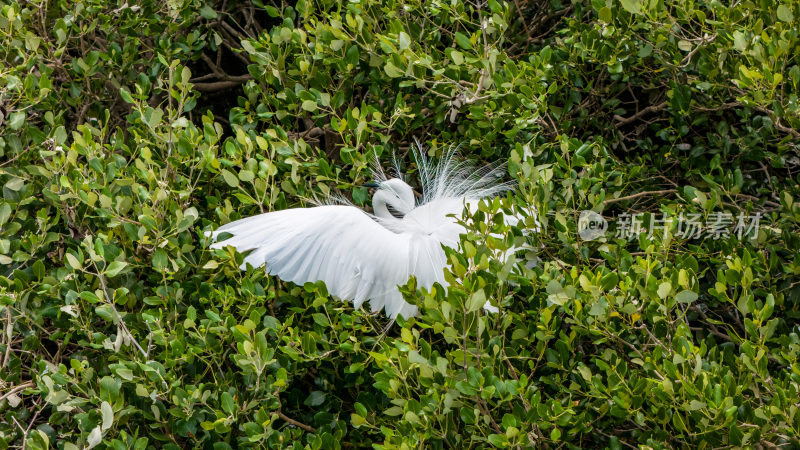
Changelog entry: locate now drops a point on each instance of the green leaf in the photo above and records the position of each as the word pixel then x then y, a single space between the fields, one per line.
pixel 246 175
pixel 207 12
pixel 73 261
pixel 685 45
pixel 94 438
pixel 609 281
pixel 227 403
pixel 694 405
pixel 463 41
pixel 498 440
pixel 272 11
pixel 186 75
pixel 90 297
pixel 351 57
pixel 394 411
pixel 248 46
pixel 316 398
pixel 38 269
pixel 632 6
pixel 124 373
pixel 476 300
pixel 403 40
pixel 664 289
pixel 392 70
pixel 160 259
pixel 108 415
pixel 16 120
pixel 739 41
pixel 105 310
pixel 115 268
pixel 357 420
pixel 15 184
pixel 686 296
pixel 599 307
pixel 229 178
pixel 586 373
pixel 5 213
pixel 309 105
pixel 785 13
pixel 321 319
pixel 155 117
pixel 605 14
pixel 457 57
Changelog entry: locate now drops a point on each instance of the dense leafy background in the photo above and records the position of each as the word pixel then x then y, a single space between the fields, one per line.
pixel 129 130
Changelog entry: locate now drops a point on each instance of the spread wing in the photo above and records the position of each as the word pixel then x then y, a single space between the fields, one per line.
pixel 357 257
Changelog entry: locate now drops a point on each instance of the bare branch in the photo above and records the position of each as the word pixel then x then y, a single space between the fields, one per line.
pixel 15 389
pixel 637 195
pixel 291 421
pixel 650 109
pixel 221 85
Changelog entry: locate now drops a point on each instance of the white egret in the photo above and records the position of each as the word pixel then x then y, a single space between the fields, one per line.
pixel 364 257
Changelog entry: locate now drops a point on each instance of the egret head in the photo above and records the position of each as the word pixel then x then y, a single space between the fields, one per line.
pixel 393 198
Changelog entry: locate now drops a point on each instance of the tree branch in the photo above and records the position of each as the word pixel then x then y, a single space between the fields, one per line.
pixel 291 421
pixel 650 109
pixel 8 333
pixel 637 195
pixel 15 389
pixel 215 86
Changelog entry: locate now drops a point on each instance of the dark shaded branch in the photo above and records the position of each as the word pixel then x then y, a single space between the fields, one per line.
pixel 291 421
pixel 650 109
pixel 637 195
pixel 221 85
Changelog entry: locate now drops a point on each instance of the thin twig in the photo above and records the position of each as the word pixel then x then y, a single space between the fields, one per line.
pixel 8 334
pixel 712 328
pixel 637 195
pixel 291 421
pixel 485 410
pixel 756 199
pixel 15 389
pixel 110 300
pixel 30 424
pixel 524 22
pixel 650 109
pixel 149 340
pixel 221 85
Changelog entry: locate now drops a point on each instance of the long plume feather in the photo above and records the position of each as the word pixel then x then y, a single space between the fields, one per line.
pixel 454 177
pixel 447 177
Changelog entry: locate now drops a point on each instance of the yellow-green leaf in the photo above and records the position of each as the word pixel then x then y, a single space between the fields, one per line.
pixel 785 13
pixel 632 6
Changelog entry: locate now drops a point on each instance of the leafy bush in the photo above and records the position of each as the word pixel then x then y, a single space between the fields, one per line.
pixel 129 131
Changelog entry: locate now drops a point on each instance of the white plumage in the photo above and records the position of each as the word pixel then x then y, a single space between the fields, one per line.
pixel 364 257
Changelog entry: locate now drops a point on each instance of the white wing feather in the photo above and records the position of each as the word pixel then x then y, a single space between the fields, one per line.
pixel 363 258
pixel 356 256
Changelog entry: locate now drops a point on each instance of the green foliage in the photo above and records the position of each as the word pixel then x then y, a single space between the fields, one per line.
pixel 130 131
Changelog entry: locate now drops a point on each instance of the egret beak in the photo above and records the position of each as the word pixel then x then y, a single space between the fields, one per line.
pixel 371 184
